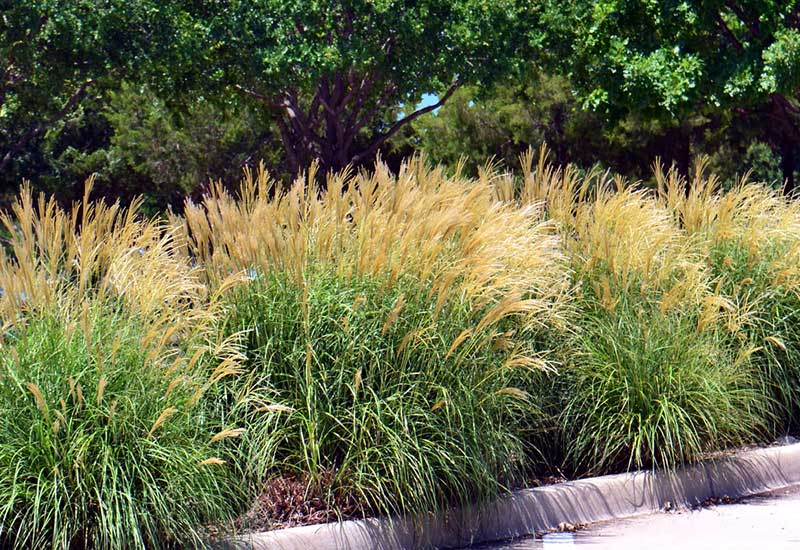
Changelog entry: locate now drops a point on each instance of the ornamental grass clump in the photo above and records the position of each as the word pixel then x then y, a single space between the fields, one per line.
pixel 362 382
pixel 107 352
pixel 645 388
pixel 751 238
pixel 648 376
pixel 388 318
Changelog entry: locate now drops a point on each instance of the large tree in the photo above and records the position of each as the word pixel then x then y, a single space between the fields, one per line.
pixel 331 70
pixel 55 52
pixel 675 58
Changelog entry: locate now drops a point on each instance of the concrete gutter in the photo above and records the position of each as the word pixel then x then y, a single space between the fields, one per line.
pixel 527 511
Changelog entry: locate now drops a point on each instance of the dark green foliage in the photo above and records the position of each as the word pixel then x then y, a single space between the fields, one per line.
pixel 501 121
pixel 673 56
pixel 504 120
pixel 53 55
pixel 136 144
pixel 167 152
pixel 329 71
pixel 215 87
pixel 673 60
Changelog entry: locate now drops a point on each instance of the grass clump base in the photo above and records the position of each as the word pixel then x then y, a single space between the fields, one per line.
pixel 104 449
pixel 642 389
pixel 343 383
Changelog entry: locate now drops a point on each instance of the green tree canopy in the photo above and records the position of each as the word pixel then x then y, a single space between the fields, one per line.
pixel 331 70
pixel 53 53
pixel 677 58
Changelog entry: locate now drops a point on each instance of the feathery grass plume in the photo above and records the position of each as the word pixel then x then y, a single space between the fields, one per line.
pixel 609 223
pixel 634 236
pixel 560 189
pixel 451 234
pixel 694 203
pixel 373 311
pixel 93 249
pixel 620 238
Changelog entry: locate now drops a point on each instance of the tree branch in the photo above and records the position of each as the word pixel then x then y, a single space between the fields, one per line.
pixel 39 127
pixel 785 103
pixel 751 24
pixel 292 109
pixel 381 102
pixel 313 110
pixel 348 23
pixel 726 30
pixel 380 140
pixel 364 88
pixel 271 103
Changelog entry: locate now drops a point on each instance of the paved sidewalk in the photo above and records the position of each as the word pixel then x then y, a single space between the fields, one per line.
pixel 765 522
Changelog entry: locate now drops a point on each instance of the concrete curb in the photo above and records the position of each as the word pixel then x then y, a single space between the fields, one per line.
pixel 529 510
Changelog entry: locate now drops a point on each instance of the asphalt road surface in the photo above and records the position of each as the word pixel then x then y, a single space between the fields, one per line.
pixel 765 522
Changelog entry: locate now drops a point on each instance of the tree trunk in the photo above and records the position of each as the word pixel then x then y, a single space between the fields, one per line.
pixel 324 128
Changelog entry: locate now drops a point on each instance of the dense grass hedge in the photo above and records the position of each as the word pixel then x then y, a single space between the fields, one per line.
pixel 398 343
